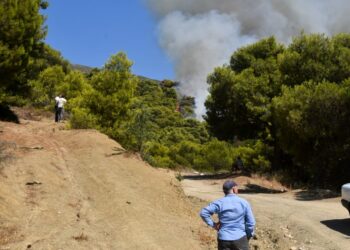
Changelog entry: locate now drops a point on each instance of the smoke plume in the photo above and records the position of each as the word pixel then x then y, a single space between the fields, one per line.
pixel 200 35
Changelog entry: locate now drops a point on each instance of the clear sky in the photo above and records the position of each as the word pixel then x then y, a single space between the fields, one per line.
pixel 88 32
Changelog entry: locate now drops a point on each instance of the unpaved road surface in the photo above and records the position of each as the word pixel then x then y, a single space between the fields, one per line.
pixel 301 223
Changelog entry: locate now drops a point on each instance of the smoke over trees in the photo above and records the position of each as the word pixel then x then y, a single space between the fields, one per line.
pixel 199 35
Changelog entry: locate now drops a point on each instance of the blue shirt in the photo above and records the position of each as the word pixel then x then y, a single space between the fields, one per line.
pixel 235 215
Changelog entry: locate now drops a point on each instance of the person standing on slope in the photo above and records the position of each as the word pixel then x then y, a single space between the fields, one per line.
pixel 236 220
pixel 59 103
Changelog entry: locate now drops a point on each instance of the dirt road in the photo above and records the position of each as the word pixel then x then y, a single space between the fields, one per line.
pixel 301 222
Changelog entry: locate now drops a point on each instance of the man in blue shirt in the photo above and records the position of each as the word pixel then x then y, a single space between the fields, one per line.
pixel 236 219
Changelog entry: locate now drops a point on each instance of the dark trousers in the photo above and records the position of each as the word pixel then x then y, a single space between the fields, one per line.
pixel 240 244
pixel 58 114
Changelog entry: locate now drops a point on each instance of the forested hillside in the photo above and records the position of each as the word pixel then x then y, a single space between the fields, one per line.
pixel 282 109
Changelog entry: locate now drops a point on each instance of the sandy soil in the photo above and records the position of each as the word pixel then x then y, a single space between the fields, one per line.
pixel 288 220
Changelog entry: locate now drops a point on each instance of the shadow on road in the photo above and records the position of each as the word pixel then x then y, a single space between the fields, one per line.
pixel 244 189
pixel 210 176
pixel 317 194
pixel 341 225
pixel 256 189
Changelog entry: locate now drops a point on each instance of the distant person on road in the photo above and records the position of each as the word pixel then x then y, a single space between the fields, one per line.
pixel 236 220
pixel 59 104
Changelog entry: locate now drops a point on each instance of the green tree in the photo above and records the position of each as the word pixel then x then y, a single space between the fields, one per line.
pixel 215 155
pixel 21 36
pixel 311 121
pixel 317 58
pixel 240 95
pixel 109 100
pixel 45 88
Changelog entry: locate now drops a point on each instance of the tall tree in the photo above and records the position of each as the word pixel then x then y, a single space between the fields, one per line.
pixel 21 37
pixel 240 94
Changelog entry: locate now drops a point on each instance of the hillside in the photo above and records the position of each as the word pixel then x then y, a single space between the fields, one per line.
pixel 78 189
pixel 87 69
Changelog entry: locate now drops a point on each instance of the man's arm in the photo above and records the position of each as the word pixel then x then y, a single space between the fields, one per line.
pixel 249 221
pixel 208 211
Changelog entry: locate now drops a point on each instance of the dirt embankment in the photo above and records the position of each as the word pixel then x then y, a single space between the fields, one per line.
pixel 77 189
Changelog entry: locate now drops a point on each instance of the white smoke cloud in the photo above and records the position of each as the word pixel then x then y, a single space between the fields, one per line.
pixel 200 35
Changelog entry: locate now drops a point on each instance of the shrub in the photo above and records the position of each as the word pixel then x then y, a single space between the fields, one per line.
pixel 82 119
pixel 215 155
pixel 254 156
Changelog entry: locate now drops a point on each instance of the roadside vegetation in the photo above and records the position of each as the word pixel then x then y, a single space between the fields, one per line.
pixel 282 109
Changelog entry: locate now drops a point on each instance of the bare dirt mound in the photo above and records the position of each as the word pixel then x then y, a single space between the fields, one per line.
pixel 77 189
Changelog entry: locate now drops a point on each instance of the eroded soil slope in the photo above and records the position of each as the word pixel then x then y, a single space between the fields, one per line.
pixel 78 189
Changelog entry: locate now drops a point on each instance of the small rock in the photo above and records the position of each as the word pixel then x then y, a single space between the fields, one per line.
pixel 128 202
pixel 293 248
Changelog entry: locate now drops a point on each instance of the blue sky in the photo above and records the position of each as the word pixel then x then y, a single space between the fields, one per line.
pixel 88 32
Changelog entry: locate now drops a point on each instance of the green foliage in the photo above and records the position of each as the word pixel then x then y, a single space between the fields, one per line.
pixel 21 36
pixel 54 81
pixel 254 156
pixel 254 56
pixel 45 57
pixel 105 104
pixel 186 153
pixel 215 155
pixel 312 121
pixel 317 58
pixel 240 95
pixel 157 155
pixel 293 101
pixel 82 119
pixel 44 89
pixel 73 85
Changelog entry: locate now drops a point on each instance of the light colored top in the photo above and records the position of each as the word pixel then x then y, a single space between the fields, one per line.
pixel 60 101
pixel 235 216
pixel 345 192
